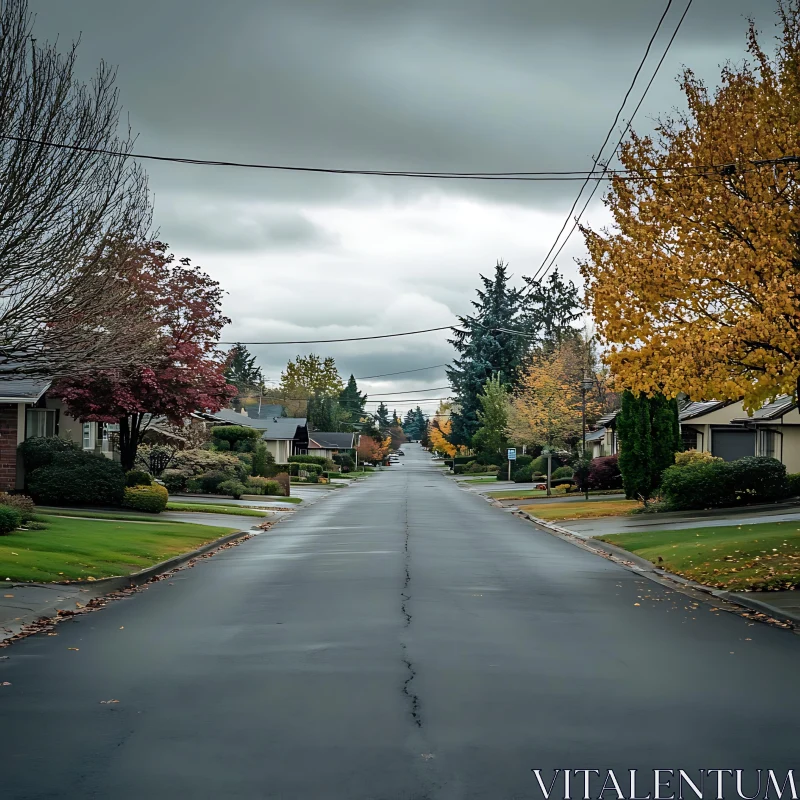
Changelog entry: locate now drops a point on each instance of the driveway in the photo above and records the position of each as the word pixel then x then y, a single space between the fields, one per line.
pixel 403 640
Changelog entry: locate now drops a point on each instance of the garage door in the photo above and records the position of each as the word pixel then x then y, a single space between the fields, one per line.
pixel 731 445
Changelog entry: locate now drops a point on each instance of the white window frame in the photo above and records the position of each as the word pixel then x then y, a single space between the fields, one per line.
pixel 32 429
pixel 89 432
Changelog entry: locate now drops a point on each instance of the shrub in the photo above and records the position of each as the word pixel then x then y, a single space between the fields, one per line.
pixel 20 502
pixel 10 519
pixel 475 467
pixel 562 472
pixel 285 482
pixel 794 484
pixel 759 479
pixel 237 437
pixel 210 481
pixel 345 461
pixel 698 485
pixel 220 445
pixel 688 457
pixel 194 485
pixel 604 473
pixel 564 487
pixel 175 479
pixel 523 475
pixel 581 466
pixel 78 479
pixel 320 460
pixel 716 483
pixel 263 461
pixel 233 488
pixel 257 485
pixel 298 470
pixel 197 462
pixel 138 477
pixel 40 451
pixel 152 499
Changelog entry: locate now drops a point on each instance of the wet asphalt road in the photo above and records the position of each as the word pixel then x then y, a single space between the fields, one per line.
pixel 400 640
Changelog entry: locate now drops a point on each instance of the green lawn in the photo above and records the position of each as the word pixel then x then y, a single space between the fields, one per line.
pixel 761 556
pixel 581 510
pixel 79 549
pixel 479 478
pixel 217 508
pixel 82 513
pixel 523 494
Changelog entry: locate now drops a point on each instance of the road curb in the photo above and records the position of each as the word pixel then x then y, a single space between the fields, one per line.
pixel 644 567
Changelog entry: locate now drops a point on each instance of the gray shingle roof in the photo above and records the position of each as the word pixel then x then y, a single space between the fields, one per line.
pixel 330 441
pixel 697 409
pixel 596 436
pixel 24 390
pixel 771 411
pixel 279 427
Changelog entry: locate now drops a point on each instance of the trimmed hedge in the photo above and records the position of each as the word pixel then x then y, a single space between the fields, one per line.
pixel 715 484
pixel 77 479
pixel 152 499
pixel 138 477
pixel 10 519
pixel 258 485
pixel 234 488
pixel 320 460
pixel 40 451
pixel 233 434
pixel 562 472
pixel 794 484
pixel 295 468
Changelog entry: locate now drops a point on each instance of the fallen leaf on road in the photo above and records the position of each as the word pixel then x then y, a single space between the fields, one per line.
pixel 121 627
pixel 6 683
pixel 73 648
pixel 427 756
pixel 106 702
pixel 8 595
pixel 78 605
pixel 90 578
pixel 636 604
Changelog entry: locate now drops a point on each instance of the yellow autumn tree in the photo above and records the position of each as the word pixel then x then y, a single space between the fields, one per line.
pixel 439 431
pixel 546 407
pixel 696 286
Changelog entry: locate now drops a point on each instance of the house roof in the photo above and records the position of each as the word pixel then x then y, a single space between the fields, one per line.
pixel 770 411
pixel 596 436
pixel 330 441
pixel 22 390
pixel 234 417
pixel 699 408
pixel 265 412
pixel 608 418
pixel 280 428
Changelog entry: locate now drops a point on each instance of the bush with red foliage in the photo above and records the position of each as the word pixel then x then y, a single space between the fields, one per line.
pixel 604 473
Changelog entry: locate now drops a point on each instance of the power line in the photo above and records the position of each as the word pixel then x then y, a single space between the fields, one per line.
pixel 722 168
pixel 350 339
pixel 402 372
pixel 549 175
pixel 605 141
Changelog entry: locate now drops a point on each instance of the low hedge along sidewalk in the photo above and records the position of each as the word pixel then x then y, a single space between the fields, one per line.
pixel 152 499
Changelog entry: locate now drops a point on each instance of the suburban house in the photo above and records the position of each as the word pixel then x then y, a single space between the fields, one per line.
pixel 284 436
pixel 26 411
pixel 724 429
pixel 329 444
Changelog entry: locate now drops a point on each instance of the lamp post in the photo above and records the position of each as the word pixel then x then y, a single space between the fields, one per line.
pixel 586 385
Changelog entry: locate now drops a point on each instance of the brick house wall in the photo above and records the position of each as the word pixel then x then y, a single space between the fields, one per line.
pixel 8 446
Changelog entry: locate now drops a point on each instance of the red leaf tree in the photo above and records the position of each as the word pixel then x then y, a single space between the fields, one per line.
pixel 183 370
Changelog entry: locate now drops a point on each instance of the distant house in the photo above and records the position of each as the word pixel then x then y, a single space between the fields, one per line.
pixel 724 429
pixel 603 440
pixel 284 436
pixel 329 444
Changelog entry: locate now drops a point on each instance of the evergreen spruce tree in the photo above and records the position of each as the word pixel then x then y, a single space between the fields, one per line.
pixel 549 310
pixel 649 437
pixel 241 370
pixel 352 401
pixel 485 347
pixel 382 417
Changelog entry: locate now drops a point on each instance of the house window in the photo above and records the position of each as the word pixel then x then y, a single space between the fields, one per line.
pixel 689 439
pixel 40 422
pixel 88 435
pixel 766 443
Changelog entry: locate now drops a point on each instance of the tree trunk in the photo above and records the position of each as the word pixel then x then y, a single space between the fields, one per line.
pixel 129 439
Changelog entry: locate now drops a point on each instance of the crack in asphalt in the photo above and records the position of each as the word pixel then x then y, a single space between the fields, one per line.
pixel 412 673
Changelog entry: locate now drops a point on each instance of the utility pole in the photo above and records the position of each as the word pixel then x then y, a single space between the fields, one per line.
pixel 586 385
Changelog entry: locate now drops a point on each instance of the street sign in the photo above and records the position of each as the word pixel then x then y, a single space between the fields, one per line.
pixel 512 453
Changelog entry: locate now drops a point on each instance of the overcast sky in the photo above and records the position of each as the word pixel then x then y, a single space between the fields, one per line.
pixel 441 85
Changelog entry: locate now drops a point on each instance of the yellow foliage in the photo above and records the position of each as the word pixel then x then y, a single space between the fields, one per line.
pixel 441 427
pixel 696 288
pixel 546 408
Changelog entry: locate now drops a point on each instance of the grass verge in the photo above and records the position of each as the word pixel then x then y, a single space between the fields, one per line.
pixel 81 549
pixel 44 512
pixel 214 508
pixel 584 510
pixel 532 494
pixel 763 556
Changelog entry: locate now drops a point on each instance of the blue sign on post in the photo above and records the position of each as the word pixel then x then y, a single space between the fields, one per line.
pixel 512 453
